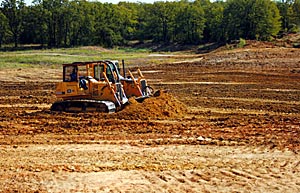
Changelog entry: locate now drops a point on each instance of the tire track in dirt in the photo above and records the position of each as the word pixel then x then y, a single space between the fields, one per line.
pixel 204 168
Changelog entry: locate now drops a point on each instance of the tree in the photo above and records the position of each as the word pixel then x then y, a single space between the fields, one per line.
pixel 160 21
pixel 129 15
pixel 213 30
pixel 39 21
pixel 251 19
pixel 3 27
pixel 13 10
pixel 81 26
pixel 232 19
pixel 107 25
pixel 33 26
pixel 294 16
pixel 56 16
pixel 265 20
pixel 284 7
pixel 143 29
pixel 189 22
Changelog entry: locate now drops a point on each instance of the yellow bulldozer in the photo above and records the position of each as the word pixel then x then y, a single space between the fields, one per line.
pixel 98 86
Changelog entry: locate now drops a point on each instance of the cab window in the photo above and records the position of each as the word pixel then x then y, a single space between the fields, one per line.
pixel 98 72
pixel 70 74
pixel 109 74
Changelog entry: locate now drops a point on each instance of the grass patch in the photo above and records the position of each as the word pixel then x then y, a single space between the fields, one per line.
pixel 53 58
pixel 134 50
pixel 36 58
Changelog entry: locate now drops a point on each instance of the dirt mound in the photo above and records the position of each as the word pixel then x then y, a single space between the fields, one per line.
pixel 259 44
pixel 289 41
pixel 160 107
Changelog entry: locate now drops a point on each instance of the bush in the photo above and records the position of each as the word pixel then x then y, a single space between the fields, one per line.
pixel 242 43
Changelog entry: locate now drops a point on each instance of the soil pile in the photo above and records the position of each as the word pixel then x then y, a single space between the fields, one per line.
pixel 162 105
pixel 259 44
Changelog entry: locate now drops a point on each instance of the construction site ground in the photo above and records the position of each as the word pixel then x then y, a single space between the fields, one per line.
pixel 225 121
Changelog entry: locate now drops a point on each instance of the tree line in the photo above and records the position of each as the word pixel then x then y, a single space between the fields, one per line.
pixel 66 23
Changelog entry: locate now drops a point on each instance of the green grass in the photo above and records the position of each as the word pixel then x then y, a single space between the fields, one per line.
pixel 56 57
pixel 53 58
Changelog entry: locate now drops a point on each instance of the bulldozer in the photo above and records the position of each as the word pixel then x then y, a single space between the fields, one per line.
pixel 98 86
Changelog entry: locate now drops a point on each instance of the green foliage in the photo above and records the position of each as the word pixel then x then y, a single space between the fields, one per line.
pixel 290 15
pixel 68 23
pixel 251 19
pixel 160 21
pixel 242 43
pixel 14 12
pixel 189 23
pixel 3 27
pixel 213 29
pixel 294 13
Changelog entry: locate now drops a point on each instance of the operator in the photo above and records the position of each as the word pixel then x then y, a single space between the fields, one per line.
pixel 83 82
pixel 73 75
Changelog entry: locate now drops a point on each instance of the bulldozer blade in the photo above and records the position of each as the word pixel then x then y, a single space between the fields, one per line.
pixel 141 99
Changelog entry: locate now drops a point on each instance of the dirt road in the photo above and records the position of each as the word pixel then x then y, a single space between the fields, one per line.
pixel 235 129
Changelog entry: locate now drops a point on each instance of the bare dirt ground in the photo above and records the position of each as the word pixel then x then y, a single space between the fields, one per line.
pixel 230 122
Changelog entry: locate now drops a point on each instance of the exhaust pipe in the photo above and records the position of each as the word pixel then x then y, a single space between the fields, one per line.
pixel 124 70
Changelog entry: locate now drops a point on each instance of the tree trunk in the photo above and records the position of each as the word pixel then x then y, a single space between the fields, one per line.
pixel 16 39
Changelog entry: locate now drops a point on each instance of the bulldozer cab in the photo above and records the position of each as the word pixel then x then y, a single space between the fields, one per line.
pixel 72 72
pixel 107 68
